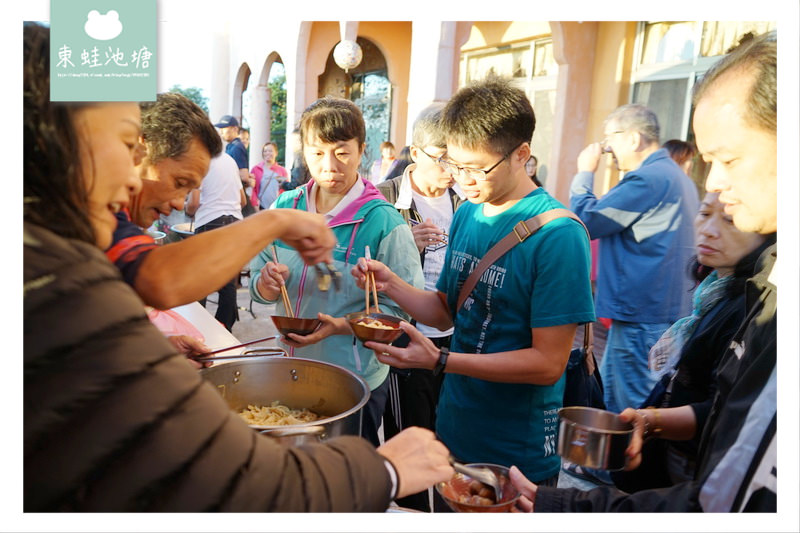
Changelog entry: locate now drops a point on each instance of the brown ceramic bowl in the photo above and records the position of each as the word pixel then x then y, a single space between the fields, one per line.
pixel 366 333
pixel 457 489
pixel 300 326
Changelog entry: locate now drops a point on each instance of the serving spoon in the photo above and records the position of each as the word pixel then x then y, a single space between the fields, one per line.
pixel 482 474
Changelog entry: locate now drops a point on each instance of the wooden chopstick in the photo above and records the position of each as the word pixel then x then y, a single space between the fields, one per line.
pixel 370 278
pixel 374 291
pixel 284 294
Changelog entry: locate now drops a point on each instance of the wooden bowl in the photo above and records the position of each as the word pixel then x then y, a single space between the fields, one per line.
pixel 300 326
pixel 366 333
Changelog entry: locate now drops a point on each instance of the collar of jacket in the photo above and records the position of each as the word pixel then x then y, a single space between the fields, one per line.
pixel 348 214
pixel 405 192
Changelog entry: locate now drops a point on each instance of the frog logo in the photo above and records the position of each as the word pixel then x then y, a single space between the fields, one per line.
pixel 102 27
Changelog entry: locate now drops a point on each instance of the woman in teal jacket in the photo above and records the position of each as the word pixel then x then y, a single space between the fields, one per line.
pixel 333 135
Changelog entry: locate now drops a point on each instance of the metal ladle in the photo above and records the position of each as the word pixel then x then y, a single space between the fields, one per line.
pixel 482 474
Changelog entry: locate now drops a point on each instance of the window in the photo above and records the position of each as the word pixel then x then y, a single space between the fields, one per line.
pixel 671 56
pixel 522 61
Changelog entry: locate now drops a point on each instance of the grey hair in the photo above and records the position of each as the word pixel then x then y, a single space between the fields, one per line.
pixel 426 130
pixel 638 118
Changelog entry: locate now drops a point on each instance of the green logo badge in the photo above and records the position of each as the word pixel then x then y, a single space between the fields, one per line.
pixel 103 50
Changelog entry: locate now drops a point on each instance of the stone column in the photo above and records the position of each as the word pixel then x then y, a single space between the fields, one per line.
pixel 435 53
pixel 260 119
pixel 219 103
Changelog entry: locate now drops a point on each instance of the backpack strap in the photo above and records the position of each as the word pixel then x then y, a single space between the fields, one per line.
pixel 522 230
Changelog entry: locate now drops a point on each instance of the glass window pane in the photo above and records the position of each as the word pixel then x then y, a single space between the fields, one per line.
pixel 544 64
pixel 508 62
pixel 668 42
pixel 719 37
pixel 667 99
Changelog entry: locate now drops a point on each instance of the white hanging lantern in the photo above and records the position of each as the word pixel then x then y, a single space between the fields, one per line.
pixel 347 54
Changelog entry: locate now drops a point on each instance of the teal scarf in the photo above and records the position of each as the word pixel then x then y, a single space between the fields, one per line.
pixel 665 354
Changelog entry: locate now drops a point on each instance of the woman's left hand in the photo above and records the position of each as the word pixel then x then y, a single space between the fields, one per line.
pixel 330 326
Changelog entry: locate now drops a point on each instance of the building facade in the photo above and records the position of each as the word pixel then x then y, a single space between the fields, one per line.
pixel 574 73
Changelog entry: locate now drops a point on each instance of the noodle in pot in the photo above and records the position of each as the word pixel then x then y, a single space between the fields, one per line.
pixel 277 415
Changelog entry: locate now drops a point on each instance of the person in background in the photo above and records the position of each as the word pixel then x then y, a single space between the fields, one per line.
pixel 532 167
pixel 687 356
pixel 174 444
pixel 735 119
pixel 217 203
pixel 385 165
pixel 681 152
pixel 244 136
pixel 425 197
pixel 269 177
pixel 299 173
pixel 403 160
pixel 644 224
pixel 504 373
pixel 334 133
pixel 229 131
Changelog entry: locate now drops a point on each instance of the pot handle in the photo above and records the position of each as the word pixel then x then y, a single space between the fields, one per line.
pixel 311 431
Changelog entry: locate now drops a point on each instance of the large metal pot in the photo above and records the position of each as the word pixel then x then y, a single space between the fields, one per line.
pixel 326 389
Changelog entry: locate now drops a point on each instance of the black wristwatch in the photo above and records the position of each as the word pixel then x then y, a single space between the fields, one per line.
pixel 439 368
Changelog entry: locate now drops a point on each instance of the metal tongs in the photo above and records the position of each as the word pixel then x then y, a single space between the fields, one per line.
pixel 482 474
pixel 324 278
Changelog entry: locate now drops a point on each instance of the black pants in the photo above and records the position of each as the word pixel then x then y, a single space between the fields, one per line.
pixel 413 397
pixel 227 308
pixel 371 415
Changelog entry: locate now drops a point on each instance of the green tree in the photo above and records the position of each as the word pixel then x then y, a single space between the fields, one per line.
pixel 277 86
pixel 195 94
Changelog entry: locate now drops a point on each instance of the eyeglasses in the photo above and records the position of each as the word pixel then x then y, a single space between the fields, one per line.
pixel 476 174
pixel 434 159
pixel 604 143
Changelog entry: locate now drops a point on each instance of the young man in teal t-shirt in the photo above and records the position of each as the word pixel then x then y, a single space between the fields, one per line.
pixel 504 374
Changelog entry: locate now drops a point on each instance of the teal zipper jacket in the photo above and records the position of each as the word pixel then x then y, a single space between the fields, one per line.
pixel 368 221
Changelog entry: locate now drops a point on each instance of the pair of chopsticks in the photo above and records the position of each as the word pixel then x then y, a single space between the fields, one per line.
pixel 284 294
pixel 207 355
pixel 370 279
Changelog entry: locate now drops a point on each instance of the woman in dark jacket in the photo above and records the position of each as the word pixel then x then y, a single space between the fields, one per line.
pixel 687 357
pixel 115 420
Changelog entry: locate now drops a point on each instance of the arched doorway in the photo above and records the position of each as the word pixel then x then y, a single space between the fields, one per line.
pixel 368 86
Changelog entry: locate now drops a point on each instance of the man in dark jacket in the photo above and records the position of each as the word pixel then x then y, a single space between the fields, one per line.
pixel 425 197
pixel 735 125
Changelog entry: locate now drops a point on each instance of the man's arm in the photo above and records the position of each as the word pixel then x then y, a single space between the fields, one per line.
pixel 169 277
pixel 618 209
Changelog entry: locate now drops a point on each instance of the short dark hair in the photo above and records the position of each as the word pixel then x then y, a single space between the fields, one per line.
pixel 489 114
pixel 271 143
pixel 386 144
pixel 758 56
pixel 55 193
pixel 333 119
pixel 680 151
pixel 171 122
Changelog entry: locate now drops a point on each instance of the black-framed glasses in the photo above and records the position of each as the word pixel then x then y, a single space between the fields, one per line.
pixel 477 174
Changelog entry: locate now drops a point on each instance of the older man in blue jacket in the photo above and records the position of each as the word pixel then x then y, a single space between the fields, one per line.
pixel 645 227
